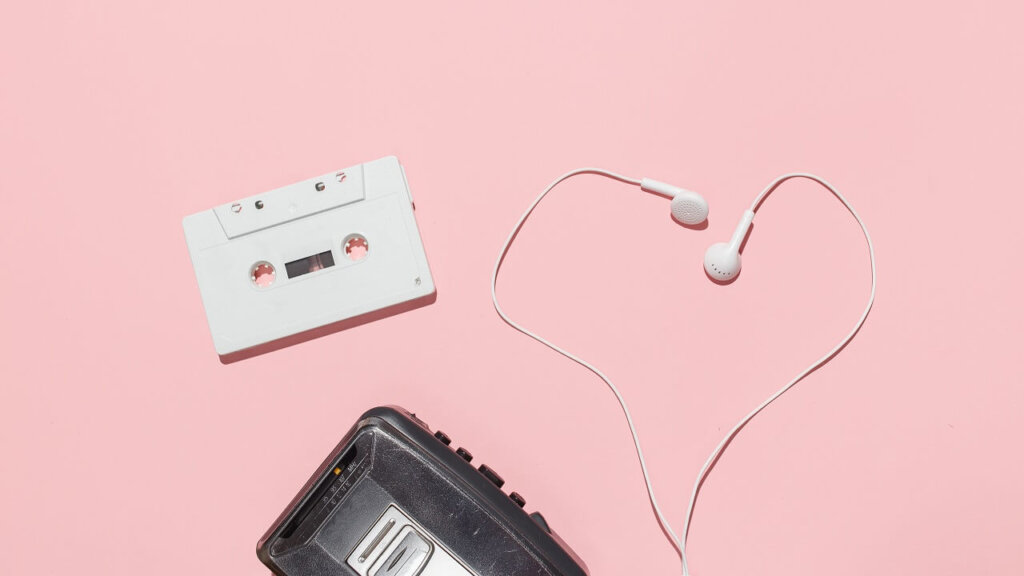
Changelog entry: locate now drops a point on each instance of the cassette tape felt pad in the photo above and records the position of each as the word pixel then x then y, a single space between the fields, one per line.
pixel 318 253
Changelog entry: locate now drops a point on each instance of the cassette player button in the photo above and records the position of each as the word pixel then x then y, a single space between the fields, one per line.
pixel 465 454
pixel 443 437
pixel 491 475
pixel 518 499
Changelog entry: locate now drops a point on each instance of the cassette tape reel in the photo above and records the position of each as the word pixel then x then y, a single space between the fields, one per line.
pixel 308 259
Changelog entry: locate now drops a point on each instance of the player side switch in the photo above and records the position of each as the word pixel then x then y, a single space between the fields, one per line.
pixel 541 521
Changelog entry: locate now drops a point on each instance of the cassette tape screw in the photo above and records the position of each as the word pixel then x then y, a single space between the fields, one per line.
pixel 320 186
pixel 259 204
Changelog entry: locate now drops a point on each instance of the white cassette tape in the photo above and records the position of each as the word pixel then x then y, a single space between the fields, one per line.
pixel 309 259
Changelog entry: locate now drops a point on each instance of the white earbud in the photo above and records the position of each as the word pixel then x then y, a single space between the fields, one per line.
pixel 688 207
pixel 722 261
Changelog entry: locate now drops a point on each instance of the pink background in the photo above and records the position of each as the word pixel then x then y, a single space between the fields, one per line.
pixel 127 448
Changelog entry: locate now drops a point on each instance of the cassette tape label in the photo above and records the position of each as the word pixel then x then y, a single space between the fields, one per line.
pixel 291 202
pixel 313 256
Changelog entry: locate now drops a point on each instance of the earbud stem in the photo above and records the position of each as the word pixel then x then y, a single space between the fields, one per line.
pixel 660 188
pixel 741 230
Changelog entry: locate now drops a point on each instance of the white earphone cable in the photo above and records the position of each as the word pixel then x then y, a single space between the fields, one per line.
pixel 622 401
pixel 817 363
pixel 677 543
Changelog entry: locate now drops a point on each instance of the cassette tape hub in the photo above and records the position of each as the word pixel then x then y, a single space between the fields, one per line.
pixel 394 499
pixel 307 259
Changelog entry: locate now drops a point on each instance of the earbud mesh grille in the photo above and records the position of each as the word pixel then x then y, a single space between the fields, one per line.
pixel 689 211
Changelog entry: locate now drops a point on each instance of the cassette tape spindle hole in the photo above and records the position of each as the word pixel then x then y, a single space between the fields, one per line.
pixel 356 247
pixel 263 274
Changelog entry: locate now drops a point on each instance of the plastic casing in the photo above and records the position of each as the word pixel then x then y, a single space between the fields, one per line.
pixel 409 467
pixel 307 218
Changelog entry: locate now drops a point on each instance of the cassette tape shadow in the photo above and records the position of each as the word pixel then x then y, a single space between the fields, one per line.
pixel 309 259
pixel 328 329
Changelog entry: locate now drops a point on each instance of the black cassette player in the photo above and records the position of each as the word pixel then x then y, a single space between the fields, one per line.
pixel 396 499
